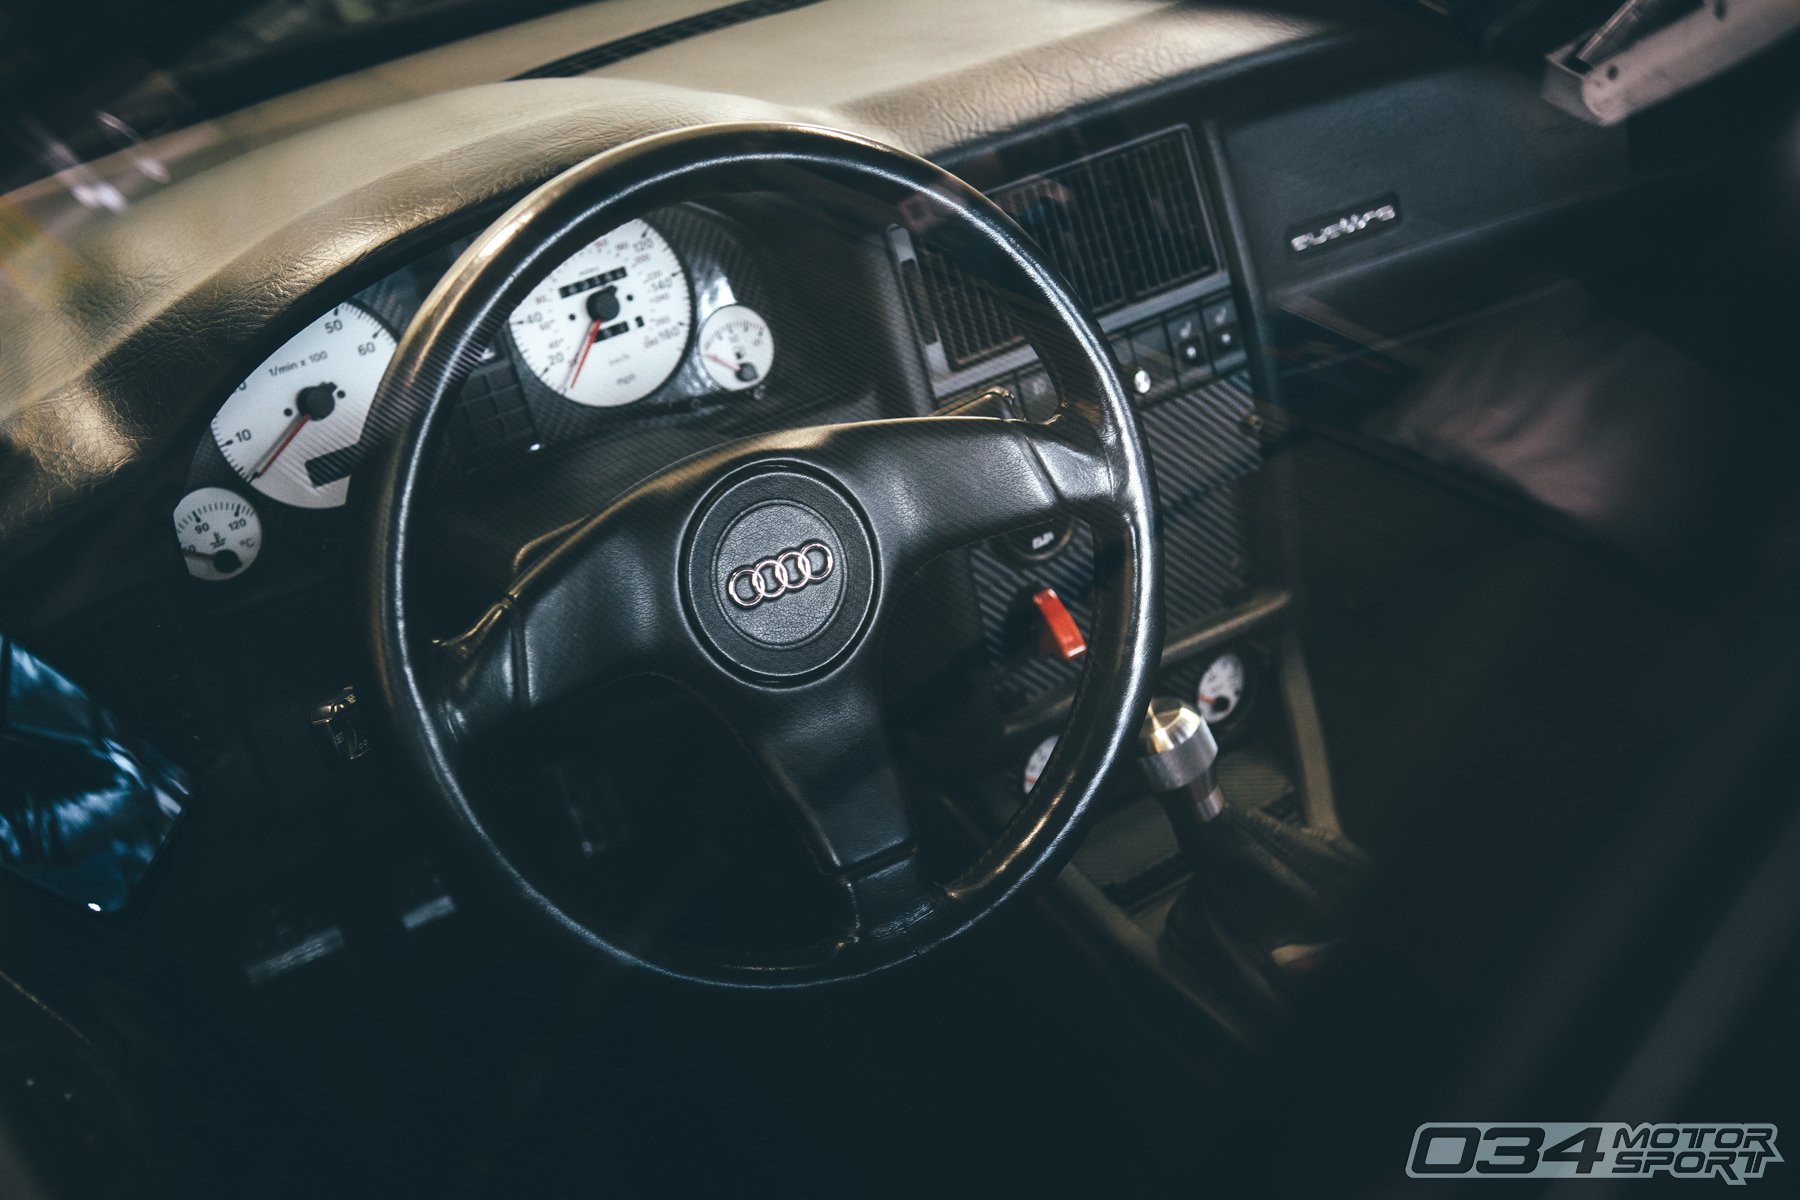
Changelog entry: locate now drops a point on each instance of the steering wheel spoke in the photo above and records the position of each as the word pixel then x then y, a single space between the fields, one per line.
pixel 930 484
pixel 826 750
pixel 599 606
pixel 824 747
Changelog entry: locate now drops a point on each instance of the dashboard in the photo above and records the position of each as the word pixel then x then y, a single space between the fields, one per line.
pixel 710 321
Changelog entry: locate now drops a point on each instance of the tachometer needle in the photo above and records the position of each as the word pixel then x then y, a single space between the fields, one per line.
pixel 269 459
pixel 587 344
pixel 313 403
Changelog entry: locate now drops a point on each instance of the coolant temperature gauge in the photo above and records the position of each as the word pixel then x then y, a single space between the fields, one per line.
pixel 219 532
pixel 736 347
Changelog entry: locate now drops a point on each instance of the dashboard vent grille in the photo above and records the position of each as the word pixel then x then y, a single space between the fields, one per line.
pixel 1120 226
pixel 973 321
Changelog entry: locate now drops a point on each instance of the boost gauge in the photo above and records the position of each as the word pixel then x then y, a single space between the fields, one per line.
pixel 291 429
pixel 219 532
pixel 736 347
pixel 611 323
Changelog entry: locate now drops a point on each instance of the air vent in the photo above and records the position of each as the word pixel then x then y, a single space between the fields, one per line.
pixel 1121 227
pixel 973 321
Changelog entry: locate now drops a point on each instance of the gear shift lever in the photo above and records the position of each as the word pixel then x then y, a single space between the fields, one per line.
pixel 1264 894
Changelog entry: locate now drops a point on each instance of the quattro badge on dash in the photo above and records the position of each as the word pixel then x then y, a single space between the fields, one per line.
pixel 1353 223
pixel 1734 1151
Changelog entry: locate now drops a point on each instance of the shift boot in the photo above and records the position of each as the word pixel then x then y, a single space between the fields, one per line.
pixel 1265 896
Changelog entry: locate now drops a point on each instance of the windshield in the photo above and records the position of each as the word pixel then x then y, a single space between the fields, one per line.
pixel 78 84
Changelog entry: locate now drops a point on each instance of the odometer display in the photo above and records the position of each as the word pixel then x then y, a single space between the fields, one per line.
pixel 608 326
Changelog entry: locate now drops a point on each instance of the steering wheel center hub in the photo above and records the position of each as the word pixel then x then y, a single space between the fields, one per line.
pixel 780 574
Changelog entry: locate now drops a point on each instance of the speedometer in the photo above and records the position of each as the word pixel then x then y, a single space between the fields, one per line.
pixel 609 325
pixel 292 429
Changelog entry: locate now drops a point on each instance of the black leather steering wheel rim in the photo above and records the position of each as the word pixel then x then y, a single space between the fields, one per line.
pixel 900 482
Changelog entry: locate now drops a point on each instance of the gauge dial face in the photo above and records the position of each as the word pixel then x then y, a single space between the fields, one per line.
pixel 292 429
pixel 219 532
pixel 736 347
pixel 1221 691
pixel 1040 758
pixel 610 324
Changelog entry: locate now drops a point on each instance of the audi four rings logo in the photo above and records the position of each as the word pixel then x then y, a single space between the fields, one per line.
pixel 787 572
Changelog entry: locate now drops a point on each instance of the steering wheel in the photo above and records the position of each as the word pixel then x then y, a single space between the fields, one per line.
pixel 761 574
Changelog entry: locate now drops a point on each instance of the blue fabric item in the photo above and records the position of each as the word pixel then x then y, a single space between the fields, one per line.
pixel 84 807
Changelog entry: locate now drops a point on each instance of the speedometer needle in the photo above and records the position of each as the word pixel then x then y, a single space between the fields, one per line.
pixel 587 344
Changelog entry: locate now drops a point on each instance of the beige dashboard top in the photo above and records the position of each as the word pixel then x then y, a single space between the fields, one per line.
pixel 114 327
pixel 930 76
pixel 926 75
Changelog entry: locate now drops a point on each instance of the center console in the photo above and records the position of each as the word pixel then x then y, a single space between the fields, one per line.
pixel 1132 230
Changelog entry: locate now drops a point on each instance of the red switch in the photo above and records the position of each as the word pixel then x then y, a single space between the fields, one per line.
pixel 1058 635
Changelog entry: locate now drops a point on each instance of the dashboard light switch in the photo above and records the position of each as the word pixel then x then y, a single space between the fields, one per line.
pixel 340 732
pixel 1058 635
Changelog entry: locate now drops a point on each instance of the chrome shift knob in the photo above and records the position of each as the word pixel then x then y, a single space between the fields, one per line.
pixel 1176 752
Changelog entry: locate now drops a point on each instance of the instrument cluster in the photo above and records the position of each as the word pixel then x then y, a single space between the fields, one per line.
pixel 656 317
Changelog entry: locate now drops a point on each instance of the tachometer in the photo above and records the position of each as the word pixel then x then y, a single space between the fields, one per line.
pixel 610 324
pixel 292 428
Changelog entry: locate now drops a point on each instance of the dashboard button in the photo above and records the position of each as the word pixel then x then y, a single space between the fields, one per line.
pixel 1190 346
pixel 1037 543
pixel 1226 341
pixel 1136 378
pixel 1218 315
pixel 1150 350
